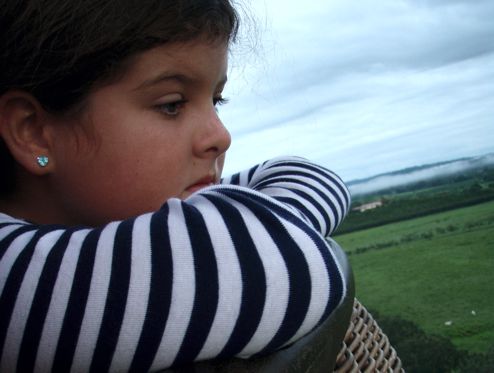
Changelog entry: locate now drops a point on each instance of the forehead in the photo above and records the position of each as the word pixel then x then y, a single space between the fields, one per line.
pixel 195 60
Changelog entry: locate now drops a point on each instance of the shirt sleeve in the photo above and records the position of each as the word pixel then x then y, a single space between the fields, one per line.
pixel 237 269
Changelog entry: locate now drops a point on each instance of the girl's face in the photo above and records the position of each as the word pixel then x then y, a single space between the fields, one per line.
pixel 152 135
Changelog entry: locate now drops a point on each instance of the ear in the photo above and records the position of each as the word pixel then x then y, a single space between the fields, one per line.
pixel 23 127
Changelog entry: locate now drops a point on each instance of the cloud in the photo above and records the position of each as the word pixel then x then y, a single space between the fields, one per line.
pixel 372 84
pixel 339 37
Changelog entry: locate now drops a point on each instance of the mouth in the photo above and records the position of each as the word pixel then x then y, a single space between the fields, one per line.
pixel 201 183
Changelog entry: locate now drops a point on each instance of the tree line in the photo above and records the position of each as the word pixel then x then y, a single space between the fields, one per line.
pixel 403 205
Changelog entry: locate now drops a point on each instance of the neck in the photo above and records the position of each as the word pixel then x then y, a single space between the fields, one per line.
pixel 31 201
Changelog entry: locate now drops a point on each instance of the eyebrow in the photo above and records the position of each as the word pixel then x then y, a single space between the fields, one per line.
pixel 167 76
pixel 163 77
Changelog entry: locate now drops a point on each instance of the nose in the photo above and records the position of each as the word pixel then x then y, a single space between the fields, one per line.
pixel 213 139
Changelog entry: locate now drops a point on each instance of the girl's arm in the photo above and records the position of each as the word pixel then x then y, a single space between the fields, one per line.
pixel 306 188
pixel 234 270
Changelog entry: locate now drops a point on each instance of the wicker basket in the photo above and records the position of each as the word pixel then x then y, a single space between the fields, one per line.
pixel 365 347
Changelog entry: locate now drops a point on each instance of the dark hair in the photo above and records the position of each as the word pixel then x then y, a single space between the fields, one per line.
pixel 57 50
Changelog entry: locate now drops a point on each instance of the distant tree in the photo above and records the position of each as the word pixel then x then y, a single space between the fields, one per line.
pixel 475 188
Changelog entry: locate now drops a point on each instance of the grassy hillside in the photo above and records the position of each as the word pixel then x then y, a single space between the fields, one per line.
pixel 436 271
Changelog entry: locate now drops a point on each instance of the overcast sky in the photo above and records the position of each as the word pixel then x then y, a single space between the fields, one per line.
pixel 363 87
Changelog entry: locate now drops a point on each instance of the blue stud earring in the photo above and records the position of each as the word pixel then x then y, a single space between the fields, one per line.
pixel 42 160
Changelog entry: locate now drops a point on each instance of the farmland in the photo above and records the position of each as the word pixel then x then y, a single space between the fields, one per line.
pixel 435 270
pixel 424 260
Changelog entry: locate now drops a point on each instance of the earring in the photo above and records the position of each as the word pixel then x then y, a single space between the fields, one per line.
pixel 42 160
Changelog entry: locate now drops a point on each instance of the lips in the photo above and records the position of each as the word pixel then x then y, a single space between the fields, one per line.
pixel 201 183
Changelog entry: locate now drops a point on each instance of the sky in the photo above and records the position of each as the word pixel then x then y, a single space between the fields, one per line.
pixel 361 87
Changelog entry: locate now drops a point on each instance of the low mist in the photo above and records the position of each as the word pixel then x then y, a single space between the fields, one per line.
pixel 428 172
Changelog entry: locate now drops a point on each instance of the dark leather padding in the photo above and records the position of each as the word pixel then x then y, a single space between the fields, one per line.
pixel 314 353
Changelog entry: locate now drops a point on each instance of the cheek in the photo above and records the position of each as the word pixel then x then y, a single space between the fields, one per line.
pixel 221 162
pixel 118 174
pixel 104 192
pixel 148 175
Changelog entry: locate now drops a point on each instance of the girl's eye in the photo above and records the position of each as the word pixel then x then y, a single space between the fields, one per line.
pixel 219 101
pixel 171 108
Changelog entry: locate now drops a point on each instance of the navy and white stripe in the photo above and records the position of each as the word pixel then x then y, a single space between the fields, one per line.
pixel 237 269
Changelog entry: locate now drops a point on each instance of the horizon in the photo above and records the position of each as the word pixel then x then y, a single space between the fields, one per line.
pixel 419 173
pixel 418 167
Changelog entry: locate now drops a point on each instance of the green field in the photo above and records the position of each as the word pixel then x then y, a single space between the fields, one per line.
pixel 434 270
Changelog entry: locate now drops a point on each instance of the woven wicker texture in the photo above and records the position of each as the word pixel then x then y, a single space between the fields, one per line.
pixel 365 347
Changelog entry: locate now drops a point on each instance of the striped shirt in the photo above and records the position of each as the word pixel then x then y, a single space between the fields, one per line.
pixel 237 269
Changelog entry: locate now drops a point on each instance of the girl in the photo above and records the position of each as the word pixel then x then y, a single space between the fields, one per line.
pixel 120 247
